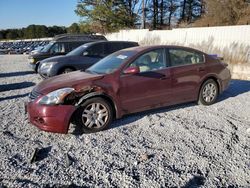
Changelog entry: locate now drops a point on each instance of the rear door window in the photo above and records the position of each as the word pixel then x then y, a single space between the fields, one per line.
pixel 180 57
pixel 96 50
pixel 113 47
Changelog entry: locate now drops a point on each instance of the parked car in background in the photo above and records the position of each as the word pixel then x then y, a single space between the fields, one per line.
pixel 61 45
pixel 37 50
pixel 21 46
pixel 127 81
pixel 81 58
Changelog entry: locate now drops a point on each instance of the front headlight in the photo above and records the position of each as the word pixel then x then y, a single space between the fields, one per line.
pixel 32 60
pixel 46 66
pixel 56 97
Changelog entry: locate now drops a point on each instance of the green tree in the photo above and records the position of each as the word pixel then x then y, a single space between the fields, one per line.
pixel 56 30
pixel 30 32
pixel 107 15
pixel 12 34
pixel 86 28
pixel 41 31
pixel 74 28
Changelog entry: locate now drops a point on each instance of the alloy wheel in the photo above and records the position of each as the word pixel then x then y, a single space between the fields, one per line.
pixel 209 92
pixel 95 115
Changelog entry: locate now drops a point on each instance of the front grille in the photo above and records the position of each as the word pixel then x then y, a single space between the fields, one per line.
pixel 33 95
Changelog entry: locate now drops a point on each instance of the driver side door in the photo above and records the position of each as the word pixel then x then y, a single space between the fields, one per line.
pixel 151 87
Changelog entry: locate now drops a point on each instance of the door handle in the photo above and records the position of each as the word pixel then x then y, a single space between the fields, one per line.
pixel 201 69
pixel 164 77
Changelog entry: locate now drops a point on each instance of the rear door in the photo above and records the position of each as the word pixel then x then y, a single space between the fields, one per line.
pixel 187 68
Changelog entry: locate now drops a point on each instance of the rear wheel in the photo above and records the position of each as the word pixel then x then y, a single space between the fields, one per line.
pixel 208 93
pixel 94 115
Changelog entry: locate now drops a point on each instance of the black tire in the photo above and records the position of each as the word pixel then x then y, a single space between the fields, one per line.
pixel 79 119
pixel 36 68
pixel 206 97
pixel 66 70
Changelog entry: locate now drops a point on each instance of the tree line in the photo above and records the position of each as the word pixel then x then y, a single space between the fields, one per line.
pixel 103 16
pixel 111 15
pixel 38 31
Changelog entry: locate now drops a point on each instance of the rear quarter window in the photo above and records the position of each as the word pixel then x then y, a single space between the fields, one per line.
pixel 96 50
pixel 113 47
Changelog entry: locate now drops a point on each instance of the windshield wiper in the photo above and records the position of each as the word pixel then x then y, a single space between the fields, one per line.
pixel 90 71
pixel 85 70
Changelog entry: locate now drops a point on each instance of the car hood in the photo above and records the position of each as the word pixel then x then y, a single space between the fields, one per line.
pixel 61 58
pixel 54 59
pixel 37 54
pixel 76 79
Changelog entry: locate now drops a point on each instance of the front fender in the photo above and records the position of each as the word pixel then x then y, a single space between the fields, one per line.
pixel 99 94
pixel 87 96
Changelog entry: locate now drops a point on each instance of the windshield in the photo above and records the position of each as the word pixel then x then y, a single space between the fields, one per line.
pixel 111 63
pixel 47 47
pixel 39 48
pixel 78 51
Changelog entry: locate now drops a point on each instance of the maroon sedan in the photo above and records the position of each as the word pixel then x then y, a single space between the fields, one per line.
pixel 124 82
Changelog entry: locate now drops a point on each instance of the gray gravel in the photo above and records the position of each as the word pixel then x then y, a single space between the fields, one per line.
pixel 181 146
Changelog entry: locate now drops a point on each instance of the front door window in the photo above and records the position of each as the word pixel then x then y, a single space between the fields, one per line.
pixel 150 61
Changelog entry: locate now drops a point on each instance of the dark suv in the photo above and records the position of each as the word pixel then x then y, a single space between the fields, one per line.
pixel 61 45
pixel 81 58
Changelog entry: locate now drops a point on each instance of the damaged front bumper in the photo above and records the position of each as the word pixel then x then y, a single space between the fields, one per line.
pixel 50 118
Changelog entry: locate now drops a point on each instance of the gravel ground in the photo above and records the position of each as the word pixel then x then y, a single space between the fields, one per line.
pixel 182 146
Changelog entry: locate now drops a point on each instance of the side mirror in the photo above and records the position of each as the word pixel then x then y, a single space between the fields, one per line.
pixel 85 53
pixel 131 70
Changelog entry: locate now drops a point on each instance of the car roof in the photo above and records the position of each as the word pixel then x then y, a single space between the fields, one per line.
pixel 103 41
pixel 77 37
pixel 152 47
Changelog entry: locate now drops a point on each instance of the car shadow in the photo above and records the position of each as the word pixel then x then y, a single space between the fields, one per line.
pixel 235 88
pixel 21 85
pixel 21 73
pixel 40 154
pixel 14 97
pixel 195 182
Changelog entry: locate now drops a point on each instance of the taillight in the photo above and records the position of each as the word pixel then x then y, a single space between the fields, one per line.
pixel 224 64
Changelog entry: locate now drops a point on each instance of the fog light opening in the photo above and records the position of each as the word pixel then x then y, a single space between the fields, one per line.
pixel 40 120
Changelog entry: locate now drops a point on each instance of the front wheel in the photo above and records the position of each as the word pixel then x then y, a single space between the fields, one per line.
pixel 66 70
pixel 36 67
pixel 94 115
pixel 208 93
